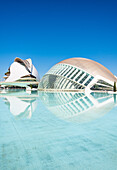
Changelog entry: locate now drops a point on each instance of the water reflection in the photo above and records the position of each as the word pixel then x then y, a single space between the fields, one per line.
pixel 78 107
pixel 20 103
pixel 74 107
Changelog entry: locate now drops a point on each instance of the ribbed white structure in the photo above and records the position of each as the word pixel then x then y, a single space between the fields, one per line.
pixel 20 70
pixel 78 73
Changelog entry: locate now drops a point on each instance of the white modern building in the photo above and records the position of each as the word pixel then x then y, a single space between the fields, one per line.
pixel 78 73
pixel 21 73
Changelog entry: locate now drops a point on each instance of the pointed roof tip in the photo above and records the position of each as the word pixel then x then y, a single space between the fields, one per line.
pixel 29 60
pixel 27 63
pixel 17 59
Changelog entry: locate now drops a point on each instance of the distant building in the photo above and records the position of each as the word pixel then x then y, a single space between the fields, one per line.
pixel 21 71
pixel 78 73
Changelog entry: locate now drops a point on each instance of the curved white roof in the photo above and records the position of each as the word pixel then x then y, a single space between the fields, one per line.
pixel 20 68
pixel 90 66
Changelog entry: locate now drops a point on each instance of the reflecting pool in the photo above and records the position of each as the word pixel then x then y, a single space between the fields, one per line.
pixel 52 131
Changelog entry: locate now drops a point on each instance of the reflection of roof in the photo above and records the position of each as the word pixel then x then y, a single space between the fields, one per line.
pixel 91 67
pixel 20 103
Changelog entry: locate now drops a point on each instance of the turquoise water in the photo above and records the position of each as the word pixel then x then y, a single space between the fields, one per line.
pixel 58 131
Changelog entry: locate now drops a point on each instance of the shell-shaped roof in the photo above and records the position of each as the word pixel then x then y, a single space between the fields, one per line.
pixel 27 63
pixel 21 68
pixel 91 67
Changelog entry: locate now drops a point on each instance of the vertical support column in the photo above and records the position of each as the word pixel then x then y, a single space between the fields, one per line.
pixel 114 88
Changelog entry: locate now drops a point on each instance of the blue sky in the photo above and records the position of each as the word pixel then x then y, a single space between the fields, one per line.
pixel 54 30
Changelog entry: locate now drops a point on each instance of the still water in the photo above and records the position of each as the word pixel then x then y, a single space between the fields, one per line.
pixel 58 131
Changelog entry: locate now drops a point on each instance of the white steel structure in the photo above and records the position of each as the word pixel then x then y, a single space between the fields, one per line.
pixel 21 70
pixel 78 73
pixel 20 73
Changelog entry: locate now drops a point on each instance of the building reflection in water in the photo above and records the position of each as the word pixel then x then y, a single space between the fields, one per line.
pixel 78 107
pixel 68 106
pixel 20 103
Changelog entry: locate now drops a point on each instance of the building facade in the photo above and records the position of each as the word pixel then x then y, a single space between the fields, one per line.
pixel 78 73
pixel 23 72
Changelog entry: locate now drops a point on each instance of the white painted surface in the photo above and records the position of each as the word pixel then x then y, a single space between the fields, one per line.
pixel 18 70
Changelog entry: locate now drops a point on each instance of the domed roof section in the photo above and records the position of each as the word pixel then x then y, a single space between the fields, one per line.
pixel 27 63
pixel 91 67
pixel 20 69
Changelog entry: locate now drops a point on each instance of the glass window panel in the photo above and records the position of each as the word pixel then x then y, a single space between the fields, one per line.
pixel 67 72
pixel 56 82
pixel 105 83
pixel 88 81
pixel 101 87
pixel 71 73
pixel 75 74
pixel 84 78
pixel 79 76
